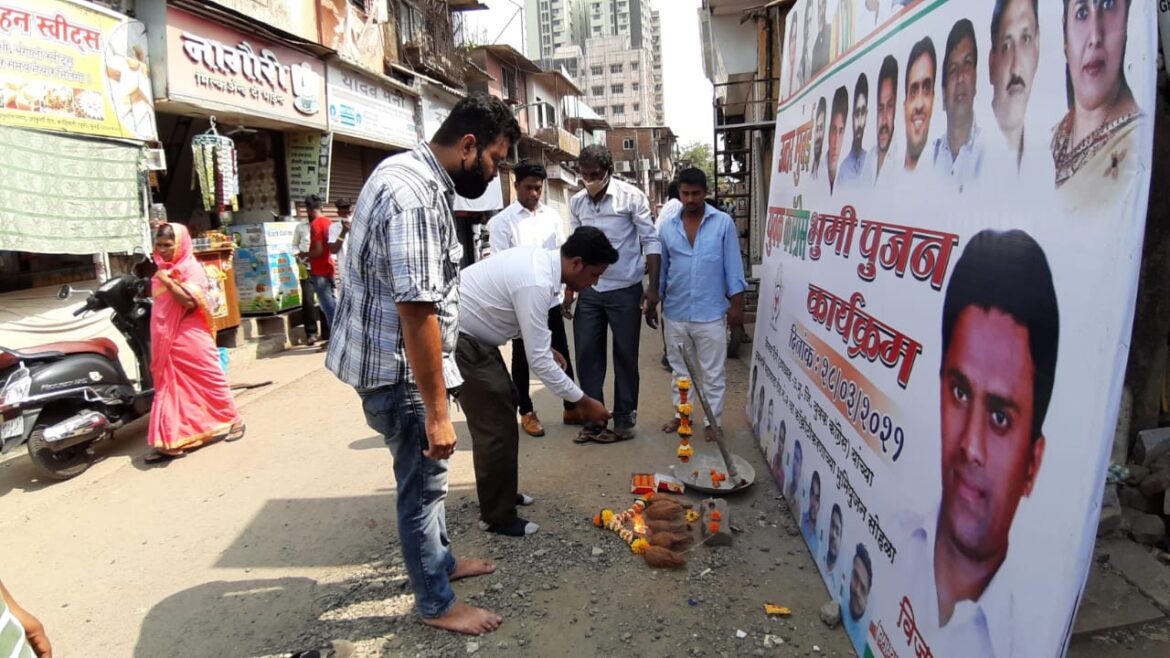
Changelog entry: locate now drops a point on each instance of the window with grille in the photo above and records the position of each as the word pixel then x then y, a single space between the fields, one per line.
pixel 628 144
pixel 599 91
pixel 619 109
pixel 617 89
pixel 596 70
pixel 615 68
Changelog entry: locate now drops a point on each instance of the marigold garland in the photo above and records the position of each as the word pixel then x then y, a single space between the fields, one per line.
pixel 692 515
pixel 685 408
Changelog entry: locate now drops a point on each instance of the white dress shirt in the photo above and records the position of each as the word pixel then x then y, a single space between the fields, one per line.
pixel 508 296
pixel 964 167
pixel 984 627
pixel 669 209
pixel 517 226
pixel 623 215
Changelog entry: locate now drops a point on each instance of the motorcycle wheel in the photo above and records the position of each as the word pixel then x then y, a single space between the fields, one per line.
pixel 62 465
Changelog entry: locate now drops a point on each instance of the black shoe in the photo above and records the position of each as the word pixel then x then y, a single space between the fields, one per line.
pixel 518 528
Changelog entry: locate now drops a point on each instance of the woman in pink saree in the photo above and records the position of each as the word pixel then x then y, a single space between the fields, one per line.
pixel 193 404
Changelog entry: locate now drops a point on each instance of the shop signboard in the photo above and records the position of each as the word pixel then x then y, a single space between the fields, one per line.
pixel 220 69
pixel 362 106
pixel 74 67
pixel 950 262
pixel 308 164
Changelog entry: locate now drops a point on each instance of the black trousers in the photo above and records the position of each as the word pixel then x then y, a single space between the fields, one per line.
pixel 309 308
pixel 520 377
pixel 598 314
pixel 488 400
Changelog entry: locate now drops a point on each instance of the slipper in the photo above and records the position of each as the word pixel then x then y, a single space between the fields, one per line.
pixel 584 436
pixel 609 436
pixel 236 433
pixel 157 457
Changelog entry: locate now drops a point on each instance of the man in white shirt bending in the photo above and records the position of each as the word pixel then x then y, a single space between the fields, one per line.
pixel 530 223
pixel 504 298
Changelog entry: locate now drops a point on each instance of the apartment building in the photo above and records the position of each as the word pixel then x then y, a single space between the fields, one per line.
pixel 620 47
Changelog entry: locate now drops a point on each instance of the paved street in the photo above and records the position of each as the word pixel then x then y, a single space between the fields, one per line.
pixel 285 540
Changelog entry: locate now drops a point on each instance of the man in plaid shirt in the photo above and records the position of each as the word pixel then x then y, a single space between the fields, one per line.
pixel 396 327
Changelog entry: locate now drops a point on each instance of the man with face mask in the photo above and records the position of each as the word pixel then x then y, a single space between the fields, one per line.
pixel 618 300
pixel 396 329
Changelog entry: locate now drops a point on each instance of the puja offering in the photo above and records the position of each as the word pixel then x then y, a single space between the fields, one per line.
pixel 654 527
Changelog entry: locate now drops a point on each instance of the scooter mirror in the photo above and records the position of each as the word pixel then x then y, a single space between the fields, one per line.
pixel 64 292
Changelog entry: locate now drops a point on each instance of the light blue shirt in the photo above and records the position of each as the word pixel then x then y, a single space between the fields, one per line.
pixel 856 167
pixel 697 280
pixel 963 167
pixel 858 631
pixel 623 215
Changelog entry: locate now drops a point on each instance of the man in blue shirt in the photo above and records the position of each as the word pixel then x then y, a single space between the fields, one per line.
pixel 702 286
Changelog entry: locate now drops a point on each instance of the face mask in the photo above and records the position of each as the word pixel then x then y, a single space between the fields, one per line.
pixel 470 183
pixel 595 187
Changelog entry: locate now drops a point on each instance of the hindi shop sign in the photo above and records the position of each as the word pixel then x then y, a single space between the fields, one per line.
pixel 220 69
pixel 74 68
pixel 950 267
pixel 362 106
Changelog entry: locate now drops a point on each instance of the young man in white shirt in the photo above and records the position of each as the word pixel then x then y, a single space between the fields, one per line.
pixel 530 223
pixel 503 298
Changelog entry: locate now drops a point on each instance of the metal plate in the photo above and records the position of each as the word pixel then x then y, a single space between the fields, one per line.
pixel 703 465
pixel 11 428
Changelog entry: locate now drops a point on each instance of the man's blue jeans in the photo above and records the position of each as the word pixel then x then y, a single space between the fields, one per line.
pixel 397 413
pixel 323 285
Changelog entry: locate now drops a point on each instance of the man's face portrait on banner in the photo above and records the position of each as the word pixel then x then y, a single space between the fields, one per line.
pixel 1015 54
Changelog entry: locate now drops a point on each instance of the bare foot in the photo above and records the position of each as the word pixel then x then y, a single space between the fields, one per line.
pixel 471 566
pixel 467 619
pixel 709 433
pixel 671 427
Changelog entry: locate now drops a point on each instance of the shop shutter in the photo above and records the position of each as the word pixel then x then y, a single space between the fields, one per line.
pixel 346 176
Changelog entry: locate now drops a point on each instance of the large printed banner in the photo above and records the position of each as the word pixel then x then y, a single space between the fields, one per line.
pixel 951 260
pixel 73 67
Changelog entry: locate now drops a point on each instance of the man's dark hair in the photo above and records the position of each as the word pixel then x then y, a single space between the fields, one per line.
pixel 483 116
pixel 596 154
pixel 841 102
pixel 821 106
pixel 923 47
pixel 590 245
pixel 962 29
pixel 889 71
pixel 836 511
pixel 530 168
pixel 863 555
pixel 997 18
pixel 312 204
pixel 816 479
pixel 343 205
pixel 861 88
pixel 692 176
pixel 672 189
pixel 1007 271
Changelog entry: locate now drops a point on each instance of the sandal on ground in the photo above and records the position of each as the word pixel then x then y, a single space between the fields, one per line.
pixel 236 433
pixel 609 436
pixel 159 457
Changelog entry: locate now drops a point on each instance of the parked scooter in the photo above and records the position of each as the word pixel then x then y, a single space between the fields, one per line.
pixel 63 398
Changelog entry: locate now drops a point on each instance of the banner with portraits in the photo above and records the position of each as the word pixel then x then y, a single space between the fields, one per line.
pixel 951 259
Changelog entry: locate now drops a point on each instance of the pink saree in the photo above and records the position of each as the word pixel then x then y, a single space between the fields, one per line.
pixel 192 401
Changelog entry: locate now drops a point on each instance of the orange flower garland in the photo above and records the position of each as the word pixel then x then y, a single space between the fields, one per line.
pixel 685 451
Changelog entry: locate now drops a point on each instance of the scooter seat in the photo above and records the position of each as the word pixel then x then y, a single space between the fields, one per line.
pixel 101 346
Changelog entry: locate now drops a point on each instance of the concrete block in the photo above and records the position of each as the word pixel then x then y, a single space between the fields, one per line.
pixel 1133 498
pixel 271 325
pixel 229 338
pixel 269 345
pixel 1155 483
pixel 1148 529
pixel 715 512
pixel 1151 444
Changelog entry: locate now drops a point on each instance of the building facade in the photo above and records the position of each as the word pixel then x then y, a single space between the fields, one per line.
pixel 645 156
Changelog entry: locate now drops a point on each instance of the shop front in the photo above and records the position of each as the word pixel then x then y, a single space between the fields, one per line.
pixel 75 115
pixel 236 110
pixel 370 118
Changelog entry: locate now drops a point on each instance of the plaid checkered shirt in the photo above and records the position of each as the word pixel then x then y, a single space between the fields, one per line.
pixel 402 247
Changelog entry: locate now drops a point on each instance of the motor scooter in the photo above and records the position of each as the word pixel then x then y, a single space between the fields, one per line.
pixel 61 399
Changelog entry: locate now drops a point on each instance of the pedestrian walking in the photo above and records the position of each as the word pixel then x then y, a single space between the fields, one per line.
pixel 530 223
pixel 193 404
pixel 321 270
pixel 302 243
pixel 396 328
pixel 702 290
pixel 502 298
pixel 618 300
